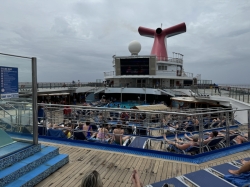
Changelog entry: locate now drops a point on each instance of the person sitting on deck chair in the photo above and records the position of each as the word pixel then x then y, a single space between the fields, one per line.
pixel 102 134
pixel 193 142
pixel 118 135
pixel 244 168
pixel 241 138
pixel 211 136
pixel 241 176
pixel 191 137
pixel 87 130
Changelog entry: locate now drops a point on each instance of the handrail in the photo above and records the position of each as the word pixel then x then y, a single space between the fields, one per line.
pixel 150 122
pixel 5 111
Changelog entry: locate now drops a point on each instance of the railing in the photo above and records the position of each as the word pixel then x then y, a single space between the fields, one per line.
pixel 16 117
pixel 239 93
pixel 110 73
pixel 186 74
pixel 51 85
pixel 137 123
pixel 170 59
pixel 165 72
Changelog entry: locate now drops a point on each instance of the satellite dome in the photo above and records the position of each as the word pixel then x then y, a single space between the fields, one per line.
pixel 134 47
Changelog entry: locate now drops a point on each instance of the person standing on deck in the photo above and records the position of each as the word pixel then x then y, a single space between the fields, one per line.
pixel 216 87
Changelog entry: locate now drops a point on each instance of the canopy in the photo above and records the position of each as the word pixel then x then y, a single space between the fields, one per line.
pixel 187 99
pixel 152 107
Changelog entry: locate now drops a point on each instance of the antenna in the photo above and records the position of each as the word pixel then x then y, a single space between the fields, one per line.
pixel 161 25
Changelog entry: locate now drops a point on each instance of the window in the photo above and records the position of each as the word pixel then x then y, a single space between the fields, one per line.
pixel 162 67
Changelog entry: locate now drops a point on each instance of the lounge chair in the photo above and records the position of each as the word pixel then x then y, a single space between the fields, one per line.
pixel 175 181
pixel 205 178
pixel 231 137
pixel 206 125
pixel 138 142
pixel 190 128
pixel 214 144
pixel 78 135
pixel 192 150
pixel 214 125
pixel 222 170
pixel 141 131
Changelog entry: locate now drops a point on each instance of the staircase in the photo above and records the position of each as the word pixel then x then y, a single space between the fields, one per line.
pixel 30 165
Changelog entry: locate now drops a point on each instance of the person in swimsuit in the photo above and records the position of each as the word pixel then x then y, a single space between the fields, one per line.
pixel 102 134
pixel 87 130
pixel 185 145
pixel 118 135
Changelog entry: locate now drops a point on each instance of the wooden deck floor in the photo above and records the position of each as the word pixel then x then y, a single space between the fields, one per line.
pixel 116 168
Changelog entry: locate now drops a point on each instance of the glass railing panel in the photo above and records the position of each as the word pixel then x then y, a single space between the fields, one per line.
pixel 15 102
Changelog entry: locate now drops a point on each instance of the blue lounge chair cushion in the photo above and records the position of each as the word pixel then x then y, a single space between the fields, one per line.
pixel 223 168
pixel 238 180
pixel 206 179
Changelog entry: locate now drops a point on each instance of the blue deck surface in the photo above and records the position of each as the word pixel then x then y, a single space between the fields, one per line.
pixel 12 148
pixel 200 158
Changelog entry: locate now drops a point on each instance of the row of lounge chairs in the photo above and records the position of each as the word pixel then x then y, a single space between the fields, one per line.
pixel 216 143
pixel 216 176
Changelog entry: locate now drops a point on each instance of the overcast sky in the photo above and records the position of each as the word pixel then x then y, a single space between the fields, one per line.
pixel 76 39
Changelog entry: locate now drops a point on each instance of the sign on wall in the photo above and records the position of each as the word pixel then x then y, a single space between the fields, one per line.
pixel 9 82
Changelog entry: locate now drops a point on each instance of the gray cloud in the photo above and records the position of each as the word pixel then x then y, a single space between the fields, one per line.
pixel 77 39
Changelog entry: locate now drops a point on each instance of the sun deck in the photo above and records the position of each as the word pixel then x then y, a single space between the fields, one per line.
pixel 116 168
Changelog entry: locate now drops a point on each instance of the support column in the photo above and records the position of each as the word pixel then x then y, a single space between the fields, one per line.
pixel 34 100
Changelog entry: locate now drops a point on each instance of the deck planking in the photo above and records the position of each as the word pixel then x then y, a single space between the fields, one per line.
pixel 116 168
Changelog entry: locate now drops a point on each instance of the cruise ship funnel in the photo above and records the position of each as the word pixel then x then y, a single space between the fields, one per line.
pixel 159 35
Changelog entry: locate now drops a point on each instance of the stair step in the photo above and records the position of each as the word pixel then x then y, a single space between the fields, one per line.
pixel 15 171
pixel 38 174
pixel 19 155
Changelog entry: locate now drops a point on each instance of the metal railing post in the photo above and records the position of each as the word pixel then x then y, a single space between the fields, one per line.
pixel 248 115
pixel 239 94
pixel 248 96
pixel 34 100
pixel 227 130
pixel 243 95
pixel 201 134
pixel 236 93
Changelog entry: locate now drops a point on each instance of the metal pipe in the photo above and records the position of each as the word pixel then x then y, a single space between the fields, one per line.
pixel 248 115
pixel 236 93
pixel 201 134
pixel 121 95
pixel 34 100
pixel 227 130
pixel 248 96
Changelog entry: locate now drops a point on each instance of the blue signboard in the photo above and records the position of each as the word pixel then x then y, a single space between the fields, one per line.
pixel 9 82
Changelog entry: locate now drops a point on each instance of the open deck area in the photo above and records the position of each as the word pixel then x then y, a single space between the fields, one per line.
pixel 116 168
